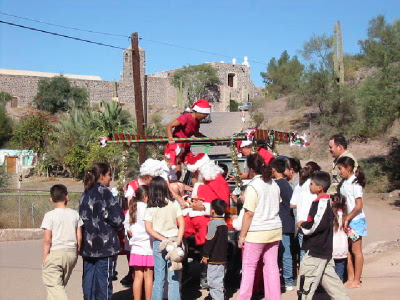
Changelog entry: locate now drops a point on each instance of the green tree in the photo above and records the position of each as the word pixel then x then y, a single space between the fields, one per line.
pixel 5 97
pixel 74 143
pixel 32 132
pixel 315 86
pixel 318 50
pixel 283 75
pixel 5 125
pixel 195 80
pixel 3 177
pixel 56 94
pixel 379 98
pixel 383 44
pixel 111 117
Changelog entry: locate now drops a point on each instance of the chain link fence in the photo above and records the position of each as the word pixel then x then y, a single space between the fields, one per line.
pixel 26 208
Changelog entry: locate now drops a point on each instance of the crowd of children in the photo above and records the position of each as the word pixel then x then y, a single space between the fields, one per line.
pixel 288 219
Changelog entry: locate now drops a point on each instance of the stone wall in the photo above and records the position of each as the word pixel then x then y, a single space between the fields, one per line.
pixel 24 88
pixel 159 90
pixel 126 93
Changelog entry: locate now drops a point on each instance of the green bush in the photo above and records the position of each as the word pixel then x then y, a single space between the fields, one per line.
pixel 233 105
pixel 379 97
pixel 3 177
pixel 258 119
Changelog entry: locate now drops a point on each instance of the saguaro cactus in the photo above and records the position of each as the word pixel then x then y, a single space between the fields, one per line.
pixel 338 64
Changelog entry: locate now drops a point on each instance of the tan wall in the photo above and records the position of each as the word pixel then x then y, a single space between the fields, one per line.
pixel 160 92
pixel 25 88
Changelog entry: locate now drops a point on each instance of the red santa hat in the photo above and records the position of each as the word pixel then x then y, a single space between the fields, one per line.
pixel 195 162
pixel 201 106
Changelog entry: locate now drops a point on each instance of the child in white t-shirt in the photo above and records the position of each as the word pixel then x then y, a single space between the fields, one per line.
pixel 61 243
pixel 302 197
pixel 141 256
pixel 351 187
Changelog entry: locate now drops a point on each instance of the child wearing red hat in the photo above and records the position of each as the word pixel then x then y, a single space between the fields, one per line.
pixel 245 148
pixel 185 126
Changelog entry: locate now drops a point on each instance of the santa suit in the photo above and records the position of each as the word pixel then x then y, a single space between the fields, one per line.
pixel 131 188
pixel 206 192
pixel 188 126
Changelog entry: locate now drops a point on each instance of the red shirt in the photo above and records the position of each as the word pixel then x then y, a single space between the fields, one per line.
pixel 213 189
pixel 188 126
pixel 134 184
pixel 266 155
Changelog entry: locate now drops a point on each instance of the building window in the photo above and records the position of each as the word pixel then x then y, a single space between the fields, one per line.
pixel 231 80
pixel 126 57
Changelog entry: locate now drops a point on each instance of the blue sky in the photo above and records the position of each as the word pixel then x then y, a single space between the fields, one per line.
pixel 236 28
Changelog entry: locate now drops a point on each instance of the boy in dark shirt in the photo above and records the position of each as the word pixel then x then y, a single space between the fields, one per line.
pixel 317 265
pixel 215 249
pixel 288 223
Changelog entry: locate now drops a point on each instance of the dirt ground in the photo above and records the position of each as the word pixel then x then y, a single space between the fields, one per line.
pixel 20 261
pixel 20 267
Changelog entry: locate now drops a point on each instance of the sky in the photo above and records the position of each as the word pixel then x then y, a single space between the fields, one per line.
pixel 218 30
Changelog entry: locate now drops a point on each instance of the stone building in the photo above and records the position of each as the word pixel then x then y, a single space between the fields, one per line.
pixel 158 92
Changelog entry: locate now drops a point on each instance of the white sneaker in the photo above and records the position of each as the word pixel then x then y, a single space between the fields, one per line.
pixel 289 288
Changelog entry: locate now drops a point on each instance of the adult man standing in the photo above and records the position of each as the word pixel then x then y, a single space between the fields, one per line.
pixel 338 148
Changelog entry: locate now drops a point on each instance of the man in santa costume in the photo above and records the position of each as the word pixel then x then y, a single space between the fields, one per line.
pixel 210 186
pixel 185 126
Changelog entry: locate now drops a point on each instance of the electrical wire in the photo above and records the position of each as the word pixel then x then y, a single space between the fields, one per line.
pixel 197 50
pixel 62 35
pixel 118 35
pixel 62 26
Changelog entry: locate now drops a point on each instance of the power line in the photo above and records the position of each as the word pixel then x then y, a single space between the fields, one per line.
pixel 197 50
pixel 62 26
pixel 62 35
pixel 125 36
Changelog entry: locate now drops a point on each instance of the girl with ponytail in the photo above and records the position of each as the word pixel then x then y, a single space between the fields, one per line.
pixel 261 230
pixel 141 257
pixel 351 187
pixel 102 217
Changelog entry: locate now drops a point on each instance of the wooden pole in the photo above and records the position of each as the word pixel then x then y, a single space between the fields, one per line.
pixel 137 86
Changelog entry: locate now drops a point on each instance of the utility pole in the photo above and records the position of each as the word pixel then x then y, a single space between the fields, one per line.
pixel 137 86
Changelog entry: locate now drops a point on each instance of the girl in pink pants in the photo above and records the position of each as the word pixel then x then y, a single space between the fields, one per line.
pixel 261 230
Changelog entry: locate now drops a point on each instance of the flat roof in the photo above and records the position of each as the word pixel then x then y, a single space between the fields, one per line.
pixel 46 74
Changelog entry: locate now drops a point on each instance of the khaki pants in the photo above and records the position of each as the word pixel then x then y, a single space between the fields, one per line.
pixel 319 270
pixel 57 269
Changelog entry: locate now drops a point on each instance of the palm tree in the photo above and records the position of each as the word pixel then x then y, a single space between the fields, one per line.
pixel 112 118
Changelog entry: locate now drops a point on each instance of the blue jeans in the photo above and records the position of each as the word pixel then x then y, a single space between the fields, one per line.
pixel 97 277
pixel 300 236
pixel 286 259
pixel 340 267
pixel 160 266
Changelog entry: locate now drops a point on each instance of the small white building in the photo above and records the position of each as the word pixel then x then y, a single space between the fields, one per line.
pixel 18 161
